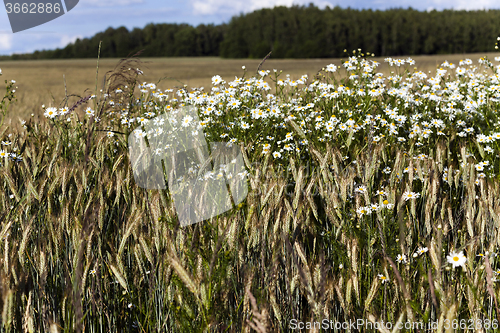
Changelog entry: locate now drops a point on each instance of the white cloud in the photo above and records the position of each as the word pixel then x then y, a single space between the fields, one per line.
pixel 65 39
pixel 204 8
pixel 209 7
pixel 236 6
pixel 110 3
pixel 5 42
pixel 440 4
pixel 472 5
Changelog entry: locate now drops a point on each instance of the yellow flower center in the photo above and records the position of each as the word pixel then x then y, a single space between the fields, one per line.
pixel 455 258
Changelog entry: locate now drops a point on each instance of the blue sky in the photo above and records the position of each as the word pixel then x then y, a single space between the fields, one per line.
pixel 92 16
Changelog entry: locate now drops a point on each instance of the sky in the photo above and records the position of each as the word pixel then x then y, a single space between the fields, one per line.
pixel 92 16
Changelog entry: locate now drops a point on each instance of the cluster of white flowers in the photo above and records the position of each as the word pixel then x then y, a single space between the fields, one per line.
pixel 368 210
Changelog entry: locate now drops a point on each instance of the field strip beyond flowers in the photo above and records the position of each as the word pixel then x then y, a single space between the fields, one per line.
pixel 40 80
pixel 373 195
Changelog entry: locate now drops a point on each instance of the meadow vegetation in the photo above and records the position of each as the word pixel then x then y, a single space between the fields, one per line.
pixel 371 197
pixel 47 82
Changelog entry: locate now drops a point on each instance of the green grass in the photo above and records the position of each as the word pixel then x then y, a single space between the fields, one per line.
pixel 85 249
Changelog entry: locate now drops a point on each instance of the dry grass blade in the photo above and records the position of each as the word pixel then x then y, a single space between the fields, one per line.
pixel 8 304
pixel 371 294
pixel 11 184
pixel 146 250
pixel 399 323
pixel 5 229
pixel 432 289
pixel 183 274
pixel 131 228
pixel 450 317
pixel 78 103
pixel 268 195
pixel 297 128
pixel 24 242
pixel 263 60
pixel 259 320
pixel 376 321
pixel 119 277
pixel 489 283
pixel 398 277
pixel 28 324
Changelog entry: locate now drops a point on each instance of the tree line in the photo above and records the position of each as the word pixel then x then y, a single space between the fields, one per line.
pixel 298 32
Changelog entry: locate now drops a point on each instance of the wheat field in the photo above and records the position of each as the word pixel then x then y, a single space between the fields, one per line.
pixel 371 199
